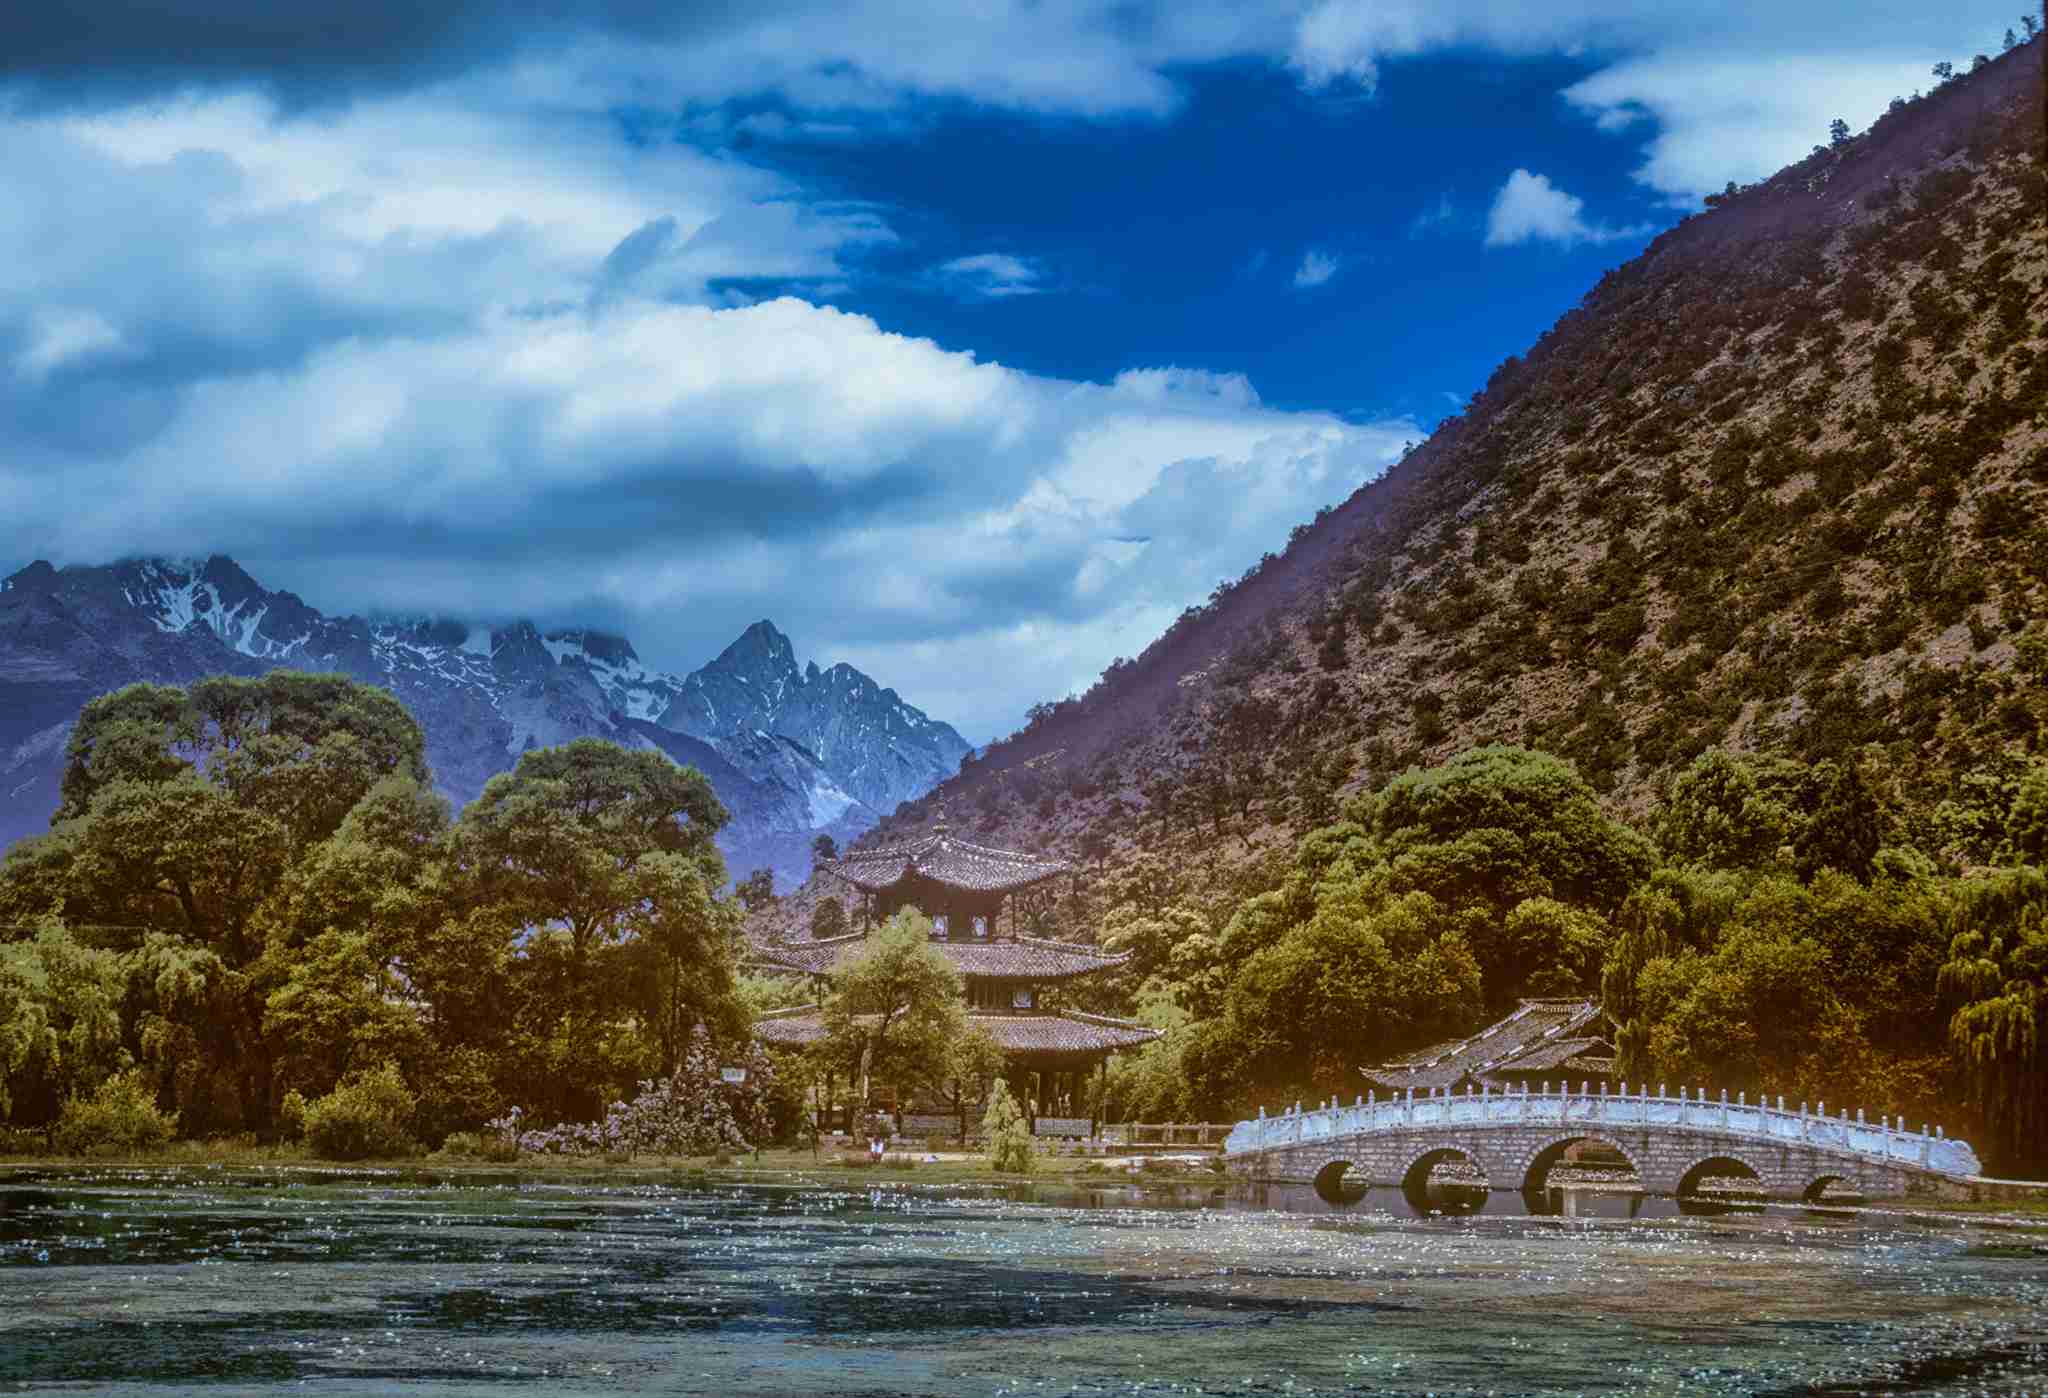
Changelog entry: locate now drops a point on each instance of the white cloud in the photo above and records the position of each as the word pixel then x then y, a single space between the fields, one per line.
pixel 1315 269
pixel 1739 117
pixel 391 365
pixel 59 336
pixel 1733 89
pixel 1530 208
pixel 991 275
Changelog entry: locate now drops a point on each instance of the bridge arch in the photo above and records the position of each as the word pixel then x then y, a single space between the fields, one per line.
pixel 1342 1182
pixel 1460 1197
pixel 1818 1185
pixel 1537 1165
pixel 1687 1181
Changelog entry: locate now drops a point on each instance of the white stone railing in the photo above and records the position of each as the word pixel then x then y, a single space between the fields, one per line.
pixel 1883 1140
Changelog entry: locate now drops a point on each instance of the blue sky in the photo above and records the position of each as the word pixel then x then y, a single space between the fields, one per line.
pixel 968 343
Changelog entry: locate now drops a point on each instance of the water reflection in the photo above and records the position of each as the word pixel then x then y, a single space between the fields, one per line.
pixel 243 1281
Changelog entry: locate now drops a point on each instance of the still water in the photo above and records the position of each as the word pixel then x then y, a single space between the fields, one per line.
pixel 248 1281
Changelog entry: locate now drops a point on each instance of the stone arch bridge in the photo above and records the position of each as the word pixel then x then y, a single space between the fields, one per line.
pixel 1515 1137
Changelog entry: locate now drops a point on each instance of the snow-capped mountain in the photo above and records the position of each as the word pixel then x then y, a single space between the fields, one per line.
pixel 791 751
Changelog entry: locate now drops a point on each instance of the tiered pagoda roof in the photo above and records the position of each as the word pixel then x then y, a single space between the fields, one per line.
pixel 944 859
pixel 1068 1032
pixel 1541 1035
pixel 1016 958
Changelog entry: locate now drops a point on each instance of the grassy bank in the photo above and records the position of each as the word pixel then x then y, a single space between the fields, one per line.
pixel 825 1169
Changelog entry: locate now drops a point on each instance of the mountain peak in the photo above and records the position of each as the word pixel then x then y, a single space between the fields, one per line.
pixel 759 646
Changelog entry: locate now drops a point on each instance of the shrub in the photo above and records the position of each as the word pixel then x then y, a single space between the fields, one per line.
pixel 120 1118
pixel 1009 1139
pixel 469 1145
pixel 291 1116
pixel 368 1116
pixel 22 1140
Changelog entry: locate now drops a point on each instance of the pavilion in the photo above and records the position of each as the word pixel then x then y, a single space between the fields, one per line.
pixel 1544 1040
pixel 975 897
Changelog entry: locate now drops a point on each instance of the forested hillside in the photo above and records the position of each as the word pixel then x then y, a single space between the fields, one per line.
pixel 1755 540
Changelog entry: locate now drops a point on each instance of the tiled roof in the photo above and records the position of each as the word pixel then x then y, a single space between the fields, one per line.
pixel 809 958
pixel 1548 1054
pixel 945 859
pixel 799 1024
pixel 1072 1032
pixel 1024 958
pixel 1533 1031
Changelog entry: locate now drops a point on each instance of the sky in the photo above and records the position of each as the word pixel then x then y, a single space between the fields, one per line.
pixel 969 343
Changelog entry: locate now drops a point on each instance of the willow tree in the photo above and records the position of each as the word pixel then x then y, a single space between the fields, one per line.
pixel 1997 975
pixel 182 811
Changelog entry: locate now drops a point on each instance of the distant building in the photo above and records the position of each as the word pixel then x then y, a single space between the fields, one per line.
pixel 974 896
pixel 1557 1040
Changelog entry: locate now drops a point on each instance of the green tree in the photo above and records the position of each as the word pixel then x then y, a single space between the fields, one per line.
pixel 1838 133
pixel 1367 976
pixel 894 1012
pixel 1730 811
pixel 824 849
pixel 973 1063
pixel 571 862
pixel 1844 824
pixel 1500 824
pixel 1552 948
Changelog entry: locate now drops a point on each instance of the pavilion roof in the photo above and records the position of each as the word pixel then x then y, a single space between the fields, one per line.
pixel 1020 958
pixel 1540 1034
pixel 1069 1032
pixel 946 859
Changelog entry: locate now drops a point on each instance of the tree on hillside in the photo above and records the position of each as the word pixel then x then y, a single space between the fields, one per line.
pixel 756 890
pixel 1504 823
pixel 1843 826
pixel 1368 976
pixel 1838 133
pixel 824 848
pixel 828 919
pixel 1730 811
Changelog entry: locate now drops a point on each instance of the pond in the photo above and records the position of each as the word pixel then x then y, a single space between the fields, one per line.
pixel 242 1280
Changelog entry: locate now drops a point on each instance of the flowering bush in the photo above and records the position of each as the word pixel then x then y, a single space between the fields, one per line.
pixel 693 1112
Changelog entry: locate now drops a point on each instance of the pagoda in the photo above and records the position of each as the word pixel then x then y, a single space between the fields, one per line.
pixel 975 897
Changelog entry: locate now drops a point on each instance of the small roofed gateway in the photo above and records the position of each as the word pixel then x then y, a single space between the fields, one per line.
pixel 976 897
pixel 1543 1041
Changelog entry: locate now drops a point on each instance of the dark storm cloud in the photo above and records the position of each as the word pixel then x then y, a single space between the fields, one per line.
pixel 308 51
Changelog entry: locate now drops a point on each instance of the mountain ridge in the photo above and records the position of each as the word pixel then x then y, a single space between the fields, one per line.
pixel 1774 484
pixel 793 752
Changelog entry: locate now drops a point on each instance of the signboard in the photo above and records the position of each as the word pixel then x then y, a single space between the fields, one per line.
pixel 733 1075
